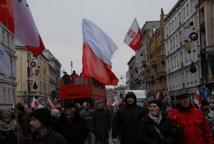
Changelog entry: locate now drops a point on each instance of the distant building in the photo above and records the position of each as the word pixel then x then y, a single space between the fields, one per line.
pixel 156 65
pixel 137 71
pixel 54 74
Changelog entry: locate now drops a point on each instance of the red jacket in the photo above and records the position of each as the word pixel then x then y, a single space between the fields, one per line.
pixel 195 127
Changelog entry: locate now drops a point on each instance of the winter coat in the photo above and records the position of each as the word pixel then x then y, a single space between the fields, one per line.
pixel 101 125
pixel 51 137
pixel 74 129
pixel 195 127
pixel 24 122
pixel 125 124
pixel 149 135
pixel 8 132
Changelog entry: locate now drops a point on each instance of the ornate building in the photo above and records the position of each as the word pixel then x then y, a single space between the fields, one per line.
pixel 39 77
pixel 156 65
pixel 7 67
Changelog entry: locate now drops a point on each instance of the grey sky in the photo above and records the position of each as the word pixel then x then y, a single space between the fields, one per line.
pixel 59 23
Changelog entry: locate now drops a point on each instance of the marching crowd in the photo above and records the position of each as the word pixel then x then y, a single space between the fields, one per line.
pixel 153 123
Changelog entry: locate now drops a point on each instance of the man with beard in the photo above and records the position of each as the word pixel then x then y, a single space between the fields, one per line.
pixel 125 122
pixel 189 122
pixel 41 131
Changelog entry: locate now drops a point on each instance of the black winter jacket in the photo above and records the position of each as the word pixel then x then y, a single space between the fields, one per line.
pixel 125 124
pixel 148 134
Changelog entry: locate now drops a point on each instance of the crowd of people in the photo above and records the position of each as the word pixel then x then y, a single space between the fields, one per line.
pixel 131 124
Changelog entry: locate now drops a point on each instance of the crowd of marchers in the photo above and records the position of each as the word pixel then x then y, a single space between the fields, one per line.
pixel 184 123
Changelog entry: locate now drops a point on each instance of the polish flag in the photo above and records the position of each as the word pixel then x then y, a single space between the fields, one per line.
pixel 134 36
pixel 25 28
pixel 98 50
pixel 50 104
pixel 36 104
pixel 6 14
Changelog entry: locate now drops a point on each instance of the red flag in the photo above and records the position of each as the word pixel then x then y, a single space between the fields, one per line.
pixel 6 14
pixel 98 50
pixel 25 28
pixel 134 36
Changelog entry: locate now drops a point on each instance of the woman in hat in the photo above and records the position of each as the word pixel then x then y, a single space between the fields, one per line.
pixel 155 127
pixel 8 128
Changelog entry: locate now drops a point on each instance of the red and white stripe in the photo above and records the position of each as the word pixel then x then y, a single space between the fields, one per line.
pixel 98 49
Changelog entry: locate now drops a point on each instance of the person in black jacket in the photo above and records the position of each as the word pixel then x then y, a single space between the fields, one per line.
pixel 155 128
pixel 101 124
pixel 126 120
pixel 71 125
pixel 23 120
pixel 41 131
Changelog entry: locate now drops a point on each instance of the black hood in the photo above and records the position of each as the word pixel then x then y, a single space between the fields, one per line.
pixel 132 95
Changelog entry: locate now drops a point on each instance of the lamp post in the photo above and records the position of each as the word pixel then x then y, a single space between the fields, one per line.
pixel 28 78
pixel 204 65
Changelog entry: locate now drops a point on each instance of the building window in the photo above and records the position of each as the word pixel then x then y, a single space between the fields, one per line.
pixel 184 13
pixel 187 9
pixel 191 7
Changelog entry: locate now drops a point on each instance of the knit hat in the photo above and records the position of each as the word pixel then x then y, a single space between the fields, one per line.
pixel 43 115
pixel 20 107
pixel 157 102
pixel 183 96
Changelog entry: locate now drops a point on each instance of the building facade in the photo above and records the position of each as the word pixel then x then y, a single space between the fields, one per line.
pixel 36 77
pixel 54 74
pixel 206 16
pixel 183 48
pixel 131 74
pixel 157 66
pixel 7 67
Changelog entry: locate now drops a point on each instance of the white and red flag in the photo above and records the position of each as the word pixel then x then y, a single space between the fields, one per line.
pixel 25 28
pixel 98 50
pixel 134 36
pixel 36 104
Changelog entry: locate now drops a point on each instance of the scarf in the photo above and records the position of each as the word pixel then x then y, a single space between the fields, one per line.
pixel 156 117
pixel 4 127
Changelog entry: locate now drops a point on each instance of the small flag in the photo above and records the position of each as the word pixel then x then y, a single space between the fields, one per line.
pixel 36 104
pixel 98 50
pixel 134 36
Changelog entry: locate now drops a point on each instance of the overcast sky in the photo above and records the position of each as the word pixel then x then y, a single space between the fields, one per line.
pixel 59 23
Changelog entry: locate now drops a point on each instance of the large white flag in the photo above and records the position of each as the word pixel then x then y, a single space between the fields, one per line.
pixel 134 36
pixel 98 49
pixel 5 64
